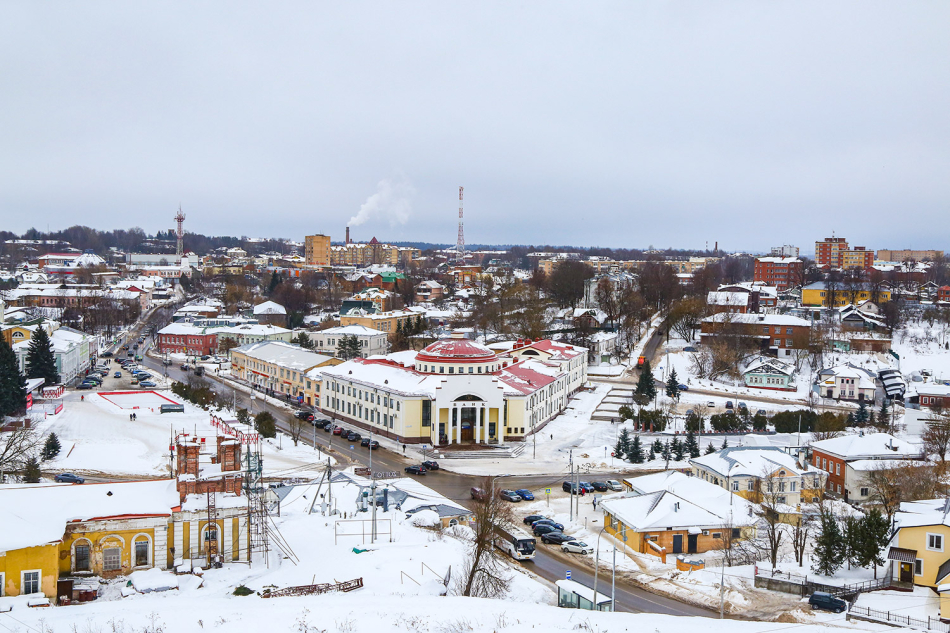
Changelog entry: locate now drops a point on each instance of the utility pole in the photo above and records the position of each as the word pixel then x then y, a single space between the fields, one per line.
pixel 572 490
pixel 372 538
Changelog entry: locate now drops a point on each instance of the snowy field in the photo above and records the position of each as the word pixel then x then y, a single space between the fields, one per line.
pixel 132 400
pixel 97 437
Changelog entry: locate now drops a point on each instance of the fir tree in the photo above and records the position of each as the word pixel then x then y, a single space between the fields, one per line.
pixel 829 546
pixel 623 444
pixel 275 281
pixel 884 414
pixel 52 447
pixel 40 362
pixel 265 424
pixel 657 446
pixel 304 341
pixel 851 538
pixel 874 532
pixel 635 452
pixel 678 449
pixel 672 385
pixel 710 449
pixel 652 456
pixel 691 445
pixel 646 385
pixel 861 416
pixel 31 471
pixel 725 443
pixel 12 382
pixel 666 454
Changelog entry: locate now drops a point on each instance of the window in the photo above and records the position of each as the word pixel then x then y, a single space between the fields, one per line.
pixel 736 533
pixel 865 492
pixel 735 486
pixel 717 535
pixel 919 567
pixel 141 552
pixel 81 558
pixel 935 542
pixel 111 559
pixel 30 582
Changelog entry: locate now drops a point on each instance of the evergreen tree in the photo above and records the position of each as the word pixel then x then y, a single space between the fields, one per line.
pixel 678 449
pixel 884 414
pixel 265 424
pixel 646 385
pixel 31 471
pixel 243 416
pixel 875 530
pixel 657 446
pixel 40 362
pixel 725 444
pixel 829 546
pixel 710 449
pixel 652 456
pixel 275 280
pixel 51 448
pixel 623 444
pixel 691 445
pixel 666 454
pixel 12 382
pixel 672 385
pixel 861 416
pixel 635 451
pixel 304 341
pixel 851 538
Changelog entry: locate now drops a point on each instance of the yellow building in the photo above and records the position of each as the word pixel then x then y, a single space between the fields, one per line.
pixel 818 294
pixel 317 250
pixel 388 322
pixel 278 366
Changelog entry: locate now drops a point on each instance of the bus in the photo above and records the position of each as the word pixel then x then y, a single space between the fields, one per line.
pixel 512 539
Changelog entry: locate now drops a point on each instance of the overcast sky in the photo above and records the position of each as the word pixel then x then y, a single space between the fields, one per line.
pixel 587 123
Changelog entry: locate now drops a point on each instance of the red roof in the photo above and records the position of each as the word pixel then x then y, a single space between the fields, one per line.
pixel 523 379
pixel 456 349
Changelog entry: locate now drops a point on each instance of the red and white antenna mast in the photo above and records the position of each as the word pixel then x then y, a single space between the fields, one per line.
pixel 460 245
pixel 180 249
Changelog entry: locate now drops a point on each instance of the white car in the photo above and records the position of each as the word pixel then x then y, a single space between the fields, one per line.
pixel 614 485
pixel 577 547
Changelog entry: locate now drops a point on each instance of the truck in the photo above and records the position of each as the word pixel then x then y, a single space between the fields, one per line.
pixel 641 360
pixel 516 542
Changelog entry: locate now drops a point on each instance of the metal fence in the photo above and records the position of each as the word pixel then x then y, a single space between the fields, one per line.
pixel 848 592
pixel 930 624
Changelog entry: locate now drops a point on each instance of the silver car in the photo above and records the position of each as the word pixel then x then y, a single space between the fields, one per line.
pixel 614 485
pixel 577 547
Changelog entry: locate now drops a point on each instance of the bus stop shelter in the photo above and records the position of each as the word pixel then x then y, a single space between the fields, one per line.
pixel 573 595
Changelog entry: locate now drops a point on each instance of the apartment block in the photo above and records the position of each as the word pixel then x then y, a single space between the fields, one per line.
pixel 780 272
pixel 317 250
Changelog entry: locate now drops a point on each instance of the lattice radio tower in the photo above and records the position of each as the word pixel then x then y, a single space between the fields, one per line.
pixel 460 245
pixel 180 248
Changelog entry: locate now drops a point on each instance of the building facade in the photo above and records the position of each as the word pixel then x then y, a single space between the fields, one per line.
pixel 317 250
pixel 780 272
pixel 277 367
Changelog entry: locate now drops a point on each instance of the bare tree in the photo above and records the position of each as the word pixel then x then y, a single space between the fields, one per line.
pixel 800 532
pixel 296 426
pixel 484 573
pixel 936 437
pixel 891 483
pixel 16 446
pixel 769 511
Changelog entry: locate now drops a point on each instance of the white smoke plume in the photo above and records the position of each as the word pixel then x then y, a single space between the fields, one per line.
pixel 390 202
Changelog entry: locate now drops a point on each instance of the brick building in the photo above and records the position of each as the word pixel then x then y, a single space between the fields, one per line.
pixel 185 338
pixel 780 272
pixel 776 334
pixel 847 459
pixel 223 474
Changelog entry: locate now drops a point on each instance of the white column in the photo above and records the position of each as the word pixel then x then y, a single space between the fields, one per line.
pixel 478 426
pixel 195 538
pixel 227 528
pixel 179 540
pixel 160 547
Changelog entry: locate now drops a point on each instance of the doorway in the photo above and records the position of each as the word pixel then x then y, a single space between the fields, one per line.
pixel 677 543
pixel 907 572
pixel 691 543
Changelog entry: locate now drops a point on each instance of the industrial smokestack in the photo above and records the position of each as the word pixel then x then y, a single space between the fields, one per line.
pixel 347 235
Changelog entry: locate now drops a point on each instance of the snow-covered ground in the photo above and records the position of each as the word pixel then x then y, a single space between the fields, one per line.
pixel 97 436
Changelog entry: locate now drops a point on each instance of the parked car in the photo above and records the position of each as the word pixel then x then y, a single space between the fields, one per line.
pixel 728 404
pixel 761 412
pixel 69 478
pixel 134 381
pixel 710 404
pixel 373 445
pixel 742 405
pixel 557 526
pixel 585 486
pixel 525 494
pixel 510 495
pixel 682 387
pixel 615 485
pixel 354 436
pixel 571 488
pixel 107 354
pixel 826 601
pixel 304 415
pixel 542 529
pixel 577 547
pixel 185 367
pixel 689 348
pixel 415 470
pixel 431 464
pixel 532 518
pixel 600 486
pixel 329 427
pixel 147 383
pixel 478 494
pixel 205 357
pixel 556 538
pixel 86 385
pixel 338 430
pixel 364 441
pixel 117 374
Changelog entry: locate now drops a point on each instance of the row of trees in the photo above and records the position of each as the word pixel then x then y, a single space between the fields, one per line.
pixel 40 363
pixel 857 541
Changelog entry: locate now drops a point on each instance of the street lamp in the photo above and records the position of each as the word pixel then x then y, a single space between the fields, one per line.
pixel 597 564
pixel 722 579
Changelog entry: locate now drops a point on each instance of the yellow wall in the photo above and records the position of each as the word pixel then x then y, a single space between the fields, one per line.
pixel 915 538
pixel 43 557
pixel 98 541
pixel 813 296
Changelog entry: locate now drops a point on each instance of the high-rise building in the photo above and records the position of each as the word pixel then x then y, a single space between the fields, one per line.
pixel 786 250
pixel 903 255
pixel 781 272
pixel 317 250
pixel 827 252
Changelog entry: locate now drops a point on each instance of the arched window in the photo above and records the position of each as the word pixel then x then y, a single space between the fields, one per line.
pixel 82 555
pixel 141 551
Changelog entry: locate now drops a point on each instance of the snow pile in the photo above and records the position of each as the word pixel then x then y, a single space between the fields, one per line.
pixel 425 518
pixel 153 580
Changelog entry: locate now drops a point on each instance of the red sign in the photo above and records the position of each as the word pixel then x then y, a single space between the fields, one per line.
pixel 29 401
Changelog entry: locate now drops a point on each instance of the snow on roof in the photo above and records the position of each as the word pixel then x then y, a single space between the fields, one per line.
pixel 727 298
pixel 778 260
pixel 757 319
pixel 35 514
pixel 353 330
pixel 864 378
pixel 933 389
pixel 387 374
pixel 770 365
pixel 457 348
pixel 283 354
pixel 269 307
pixel 558 350
pixel 867 446
pixel 751 461
pixel 662 510
pixel 704 494
pixel 925 512
pixel 527 376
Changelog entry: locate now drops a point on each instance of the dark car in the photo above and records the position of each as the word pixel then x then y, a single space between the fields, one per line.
pixel 510 495
pixel 304 415
pixel 184 367
pixel 551 522
pixel 373 445
pixel 320 424
pixel 682 387
pixel 826 601
pixel 107 354
pixel 762 413
pixel 742 405
pixel 431 464
pixel 689 348
pixel 338 430
pixel 86 385
pixel 415 470
pixel 571 488
pixel 205 357
pixel 364 441
pixel 69 478
pixel 478 494
pixel 556 538
pixel 147 383
pixel 533 518
pixel 525 494
pixel 328 427
pixel 585 486
pixel 728 404
pixel 544 528
pixel 117 374
pixel 353 436
pixel 600 486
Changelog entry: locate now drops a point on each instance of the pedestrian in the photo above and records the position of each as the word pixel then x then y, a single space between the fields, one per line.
pixel 403 449
pixel 82 397
pixel 595 503
pixel 130 417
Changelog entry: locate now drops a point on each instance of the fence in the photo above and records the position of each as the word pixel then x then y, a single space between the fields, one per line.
pixel 930 624
pixel 788 582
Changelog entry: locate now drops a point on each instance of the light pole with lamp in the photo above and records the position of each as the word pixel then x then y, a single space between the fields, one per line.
pixel 597 564
pixel 722 579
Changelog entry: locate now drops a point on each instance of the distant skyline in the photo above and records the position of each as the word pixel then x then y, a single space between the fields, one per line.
pixel 596 124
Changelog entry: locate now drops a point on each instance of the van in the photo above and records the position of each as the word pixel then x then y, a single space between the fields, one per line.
pixel 826 601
